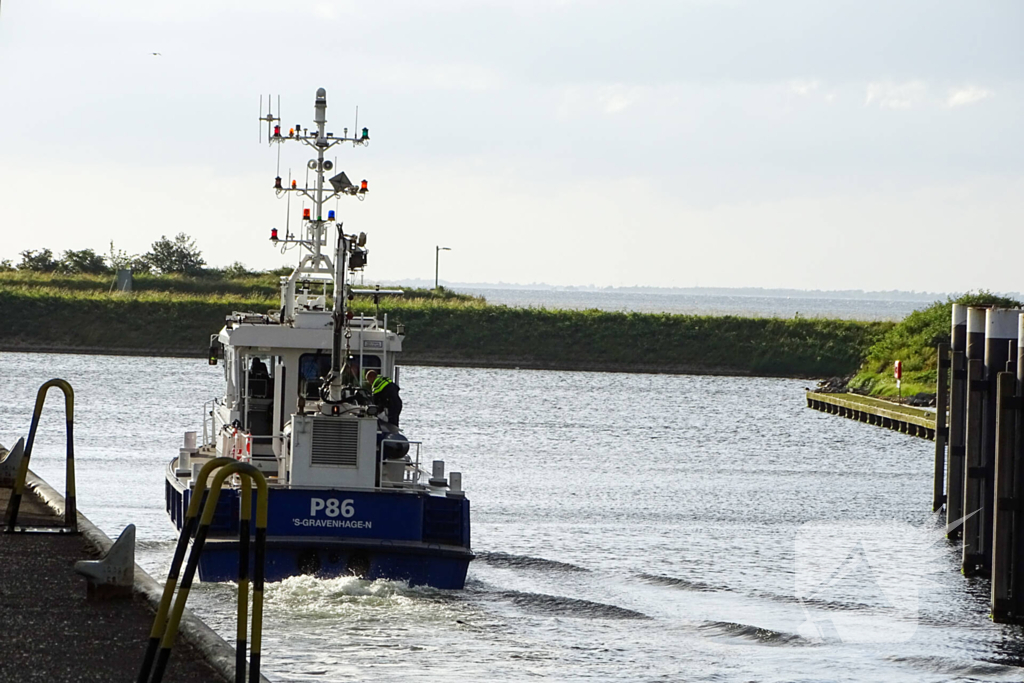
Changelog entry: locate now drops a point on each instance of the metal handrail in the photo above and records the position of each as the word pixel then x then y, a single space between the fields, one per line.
pixel 70 508
pixel 415 463
pixel 165 626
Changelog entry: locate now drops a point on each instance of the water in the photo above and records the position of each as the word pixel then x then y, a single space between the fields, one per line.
pixel 682 302
pixel 630 528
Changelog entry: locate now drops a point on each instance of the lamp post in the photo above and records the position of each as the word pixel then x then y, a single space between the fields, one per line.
pixel 437 261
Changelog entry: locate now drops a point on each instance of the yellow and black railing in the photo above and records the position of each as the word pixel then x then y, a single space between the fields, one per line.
pixel 70 509
pixel 188 527
pixel 168 619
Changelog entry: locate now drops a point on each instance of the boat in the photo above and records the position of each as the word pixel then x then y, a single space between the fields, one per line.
pixel 348 493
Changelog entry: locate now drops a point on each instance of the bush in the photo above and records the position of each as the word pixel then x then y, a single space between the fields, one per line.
pixel 40 261
pixel 82 261
pixel 178 256
pixel 6 266
pixel 913 342
pixel 121 260
pixel 238 270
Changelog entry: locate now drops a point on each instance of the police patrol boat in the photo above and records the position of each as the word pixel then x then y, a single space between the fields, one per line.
pixel 348 494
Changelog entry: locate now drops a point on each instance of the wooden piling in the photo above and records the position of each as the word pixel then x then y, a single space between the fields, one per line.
pixel 957 415
pixel 1017 540
pixel 941 403
pixel 1006 524
pixel 974 531
pixel 1000 347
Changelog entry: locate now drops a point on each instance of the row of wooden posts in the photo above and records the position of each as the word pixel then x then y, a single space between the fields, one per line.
pixel 981 482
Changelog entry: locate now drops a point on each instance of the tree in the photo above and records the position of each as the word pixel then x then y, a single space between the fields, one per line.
pixel 178 256
pixel 119 259
pixel 82 261
pixel 41 261
pixel 6 266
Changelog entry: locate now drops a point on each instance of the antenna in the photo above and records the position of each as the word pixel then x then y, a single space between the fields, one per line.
pixel 355 130
pixel 288 210
pixel 261 118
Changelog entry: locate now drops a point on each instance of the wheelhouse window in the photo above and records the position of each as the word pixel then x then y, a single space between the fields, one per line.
pixel 313 367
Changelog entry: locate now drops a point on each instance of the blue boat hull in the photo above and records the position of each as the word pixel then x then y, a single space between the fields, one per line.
pixel 400 535
pixel 285 558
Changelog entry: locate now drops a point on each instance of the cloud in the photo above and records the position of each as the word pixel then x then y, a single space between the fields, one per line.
pixel 419 76
pixel 964 96
pixel 803 87
pixel 607 99
pixel 617 98
pixel 896 95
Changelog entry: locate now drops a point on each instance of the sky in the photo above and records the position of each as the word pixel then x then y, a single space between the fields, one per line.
pixel 807 144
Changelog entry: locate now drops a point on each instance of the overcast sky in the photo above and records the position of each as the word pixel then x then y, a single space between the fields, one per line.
pixel 809 144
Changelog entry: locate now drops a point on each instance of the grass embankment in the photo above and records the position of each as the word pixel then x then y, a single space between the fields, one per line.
pixel 913 341
pixel 248 287
pixel 47 315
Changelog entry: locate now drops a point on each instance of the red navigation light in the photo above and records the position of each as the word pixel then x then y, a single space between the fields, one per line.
pixel 293 185
pixel 277 183
pixel 273 234
pixel 363 187
pixel 305 214
pixel 277 131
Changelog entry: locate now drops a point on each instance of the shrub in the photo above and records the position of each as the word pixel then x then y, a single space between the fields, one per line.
pixel 238 270
pixel 82 261
pixel 179 255
pixel 913 341
pixel 122 260
pixel 41 261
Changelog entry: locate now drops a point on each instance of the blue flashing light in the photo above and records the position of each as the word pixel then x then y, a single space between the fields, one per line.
pixel 330 215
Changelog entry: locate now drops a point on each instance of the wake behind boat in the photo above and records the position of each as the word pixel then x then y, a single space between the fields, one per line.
pixel 311 399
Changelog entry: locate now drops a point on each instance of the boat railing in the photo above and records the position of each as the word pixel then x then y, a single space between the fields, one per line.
pixel 208 429
pixel 411 472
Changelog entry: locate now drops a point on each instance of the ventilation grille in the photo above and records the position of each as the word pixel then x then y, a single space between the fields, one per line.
pixel 335 443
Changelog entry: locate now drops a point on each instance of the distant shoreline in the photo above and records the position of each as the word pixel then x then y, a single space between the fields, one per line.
pixel 411 359
pixel 174 317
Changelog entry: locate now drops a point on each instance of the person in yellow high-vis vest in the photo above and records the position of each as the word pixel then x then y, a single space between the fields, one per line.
pixel 385 395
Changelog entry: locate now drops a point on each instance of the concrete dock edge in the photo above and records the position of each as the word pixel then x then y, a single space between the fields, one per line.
pixel 217 652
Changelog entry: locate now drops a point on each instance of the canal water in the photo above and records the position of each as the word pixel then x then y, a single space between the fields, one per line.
pixel 628 528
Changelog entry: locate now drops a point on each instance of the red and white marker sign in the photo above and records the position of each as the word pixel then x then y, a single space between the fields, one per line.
pixel 897 369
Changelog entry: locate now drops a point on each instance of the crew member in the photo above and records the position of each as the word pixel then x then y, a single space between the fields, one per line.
pixel 385 395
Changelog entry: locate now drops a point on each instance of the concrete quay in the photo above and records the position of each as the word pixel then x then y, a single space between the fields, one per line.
pixel 52 632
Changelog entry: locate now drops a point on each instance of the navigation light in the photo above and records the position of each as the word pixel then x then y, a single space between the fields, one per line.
pixel 305 214
pixel 366 134
pixel 273 234
pixel 277 183
pixel 330 215
pixel 363 187
pixel 293 184
pixel 277 131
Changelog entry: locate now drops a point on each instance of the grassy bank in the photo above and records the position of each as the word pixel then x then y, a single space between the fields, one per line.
pixel 913 341
pixel 49 316
pixel 263 286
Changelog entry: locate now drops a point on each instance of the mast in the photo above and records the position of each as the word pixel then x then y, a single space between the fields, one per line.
pixel 314 264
